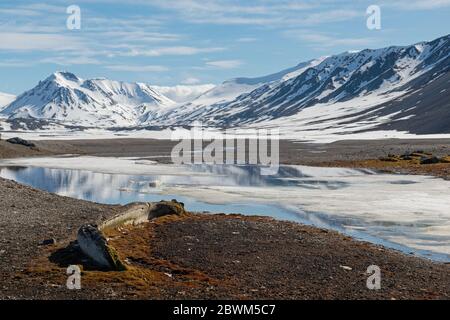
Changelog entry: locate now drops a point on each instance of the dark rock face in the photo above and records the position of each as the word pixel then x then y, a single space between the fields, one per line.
pixel 22 142
pixel 165 208
pixel 423 106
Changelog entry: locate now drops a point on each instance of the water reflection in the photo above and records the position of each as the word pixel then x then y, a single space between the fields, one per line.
pixel 124 189
pixel 408 213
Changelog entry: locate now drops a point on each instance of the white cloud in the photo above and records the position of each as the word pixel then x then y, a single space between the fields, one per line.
pixel 32 10
pixel 183 93
pixel 191 80
pixel 134 68
pixel 69 60
pixel 331 16
pixel 14 64
pixel 247 39
pixel 267 13
pixel 225 64
pixel 38 41
pixel 326 40
pixel 417 4
pixel 172 51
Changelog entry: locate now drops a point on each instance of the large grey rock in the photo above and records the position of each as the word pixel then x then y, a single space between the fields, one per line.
pixel 93 244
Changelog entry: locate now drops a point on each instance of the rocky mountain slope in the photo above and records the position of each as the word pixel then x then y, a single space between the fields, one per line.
pixel 386 88
pixel 97 102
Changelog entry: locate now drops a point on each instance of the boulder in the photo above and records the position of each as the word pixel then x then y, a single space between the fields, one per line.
pixel 154 184
pixel 429 160
pixel 22 142
pixel 93 244
pixel 165 208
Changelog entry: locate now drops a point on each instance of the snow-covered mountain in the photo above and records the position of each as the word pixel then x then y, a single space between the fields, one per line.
pixel 402 88
pixel 339 88
pixel 183 93
pixel 66 98
pixel 6 99
pixel 227 92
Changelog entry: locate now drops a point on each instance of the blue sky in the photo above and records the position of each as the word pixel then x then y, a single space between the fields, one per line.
pixel 166 42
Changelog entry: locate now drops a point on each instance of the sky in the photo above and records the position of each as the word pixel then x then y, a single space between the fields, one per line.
pixel 170 42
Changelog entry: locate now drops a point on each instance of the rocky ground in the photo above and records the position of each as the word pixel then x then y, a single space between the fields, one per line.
pixel 291 152
pixel 199 256
pixel 27 218
pixel 41 148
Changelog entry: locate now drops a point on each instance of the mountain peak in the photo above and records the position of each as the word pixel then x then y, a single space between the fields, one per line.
pixel 65 97
pixel 63 76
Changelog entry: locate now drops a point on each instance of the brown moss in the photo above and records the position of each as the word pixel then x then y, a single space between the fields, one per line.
pixel 114 259
pixel 445 159
pixel 403 166
pixel 142 275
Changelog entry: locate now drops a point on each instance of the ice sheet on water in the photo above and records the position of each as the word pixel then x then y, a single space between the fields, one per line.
pixel 403 209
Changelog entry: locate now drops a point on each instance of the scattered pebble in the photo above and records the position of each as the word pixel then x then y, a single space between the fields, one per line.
pixel 346 268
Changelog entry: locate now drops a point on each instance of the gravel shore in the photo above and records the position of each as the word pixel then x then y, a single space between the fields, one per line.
pixel 356 154
pixel 197 257
pixel 28 217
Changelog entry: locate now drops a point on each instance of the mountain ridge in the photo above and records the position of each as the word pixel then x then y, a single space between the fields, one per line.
pixel 64 97
pixel 344 78
pixel 370 89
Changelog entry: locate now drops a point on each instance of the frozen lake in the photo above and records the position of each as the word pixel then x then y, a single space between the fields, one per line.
pixel 408 213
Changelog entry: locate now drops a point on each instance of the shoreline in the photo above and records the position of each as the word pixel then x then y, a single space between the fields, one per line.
pixel 209 256
pixel 361 154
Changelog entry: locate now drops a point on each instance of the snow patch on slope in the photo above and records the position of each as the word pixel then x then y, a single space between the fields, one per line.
pixel 96 102
pixel 6 99
pixel 183 93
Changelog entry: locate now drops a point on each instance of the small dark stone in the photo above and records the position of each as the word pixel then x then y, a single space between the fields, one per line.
pixel 48 242
pixel 429 160
pixel 22 142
